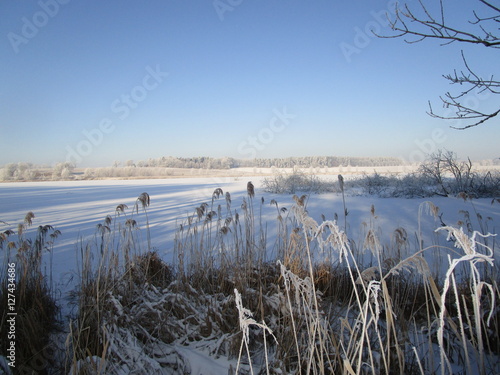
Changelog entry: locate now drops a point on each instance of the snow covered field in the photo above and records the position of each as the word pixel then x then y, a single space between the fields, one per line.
pixel 76 208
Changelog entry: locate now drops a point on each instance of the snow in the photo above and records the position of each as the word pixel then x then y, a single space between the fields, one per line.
pixel 203 364
pixel 76 207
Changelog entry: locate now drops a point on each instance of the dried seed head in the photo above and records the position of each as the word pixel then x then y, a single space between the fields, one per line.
pixel 430 208
pixel 372 242
pixel 131 223
pixel 102 229
pixel 250 189
pixel 7 233
pixel 415 262
pixel 400 236
pixel 56 234
pixel 199 212
pixel 144 199
pixel 28 219
pixel 211 215
pixel 217 193
pixel 121 208
pixel 300 201
pixel 107 220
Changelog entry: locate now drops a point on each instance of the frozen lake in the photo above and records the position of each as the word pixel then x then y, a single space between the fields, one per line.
pixel 77 207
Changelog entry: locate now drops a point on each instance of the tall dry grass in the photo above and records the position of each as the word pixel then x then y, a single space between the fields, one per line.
pixel 309 300
pixel 27 281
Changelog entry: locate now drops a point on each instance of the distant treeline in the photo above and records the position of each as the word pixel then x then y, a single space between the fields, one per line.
pixel 166 166
pixel 288 162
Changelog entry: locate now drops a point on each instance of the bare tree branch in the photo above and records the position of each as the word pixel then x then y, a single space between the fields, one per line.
pixel 490 5
pixel 415 28
pixel 438 29
pixel 463 113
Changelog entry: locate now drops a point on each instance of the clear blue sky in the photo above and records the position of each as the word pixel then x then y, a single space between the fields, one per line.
pixel 99 81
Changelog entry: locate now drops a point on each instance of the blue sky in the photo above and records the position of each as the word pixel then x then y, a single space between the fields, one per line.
pixel 99 81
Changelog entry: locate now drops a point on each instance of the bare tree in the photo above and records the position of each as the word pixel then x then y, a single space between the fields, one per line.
pixel 416 24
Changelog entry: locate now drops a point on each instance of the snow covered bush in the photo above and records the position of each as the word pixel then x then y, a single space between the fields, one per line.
pixel 449 176
pixel 62 171
pixel 297 181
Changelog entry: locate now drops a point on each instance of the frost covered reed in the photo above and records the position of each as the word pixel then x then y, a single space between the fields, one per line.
pixel 308 301
pixel 28 297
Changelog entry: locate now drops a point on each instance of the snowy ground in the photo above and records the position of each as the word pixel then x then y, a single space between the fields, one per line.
pixel 75 208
